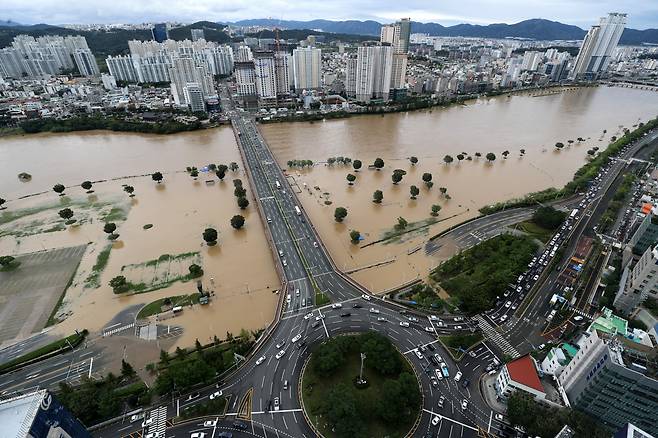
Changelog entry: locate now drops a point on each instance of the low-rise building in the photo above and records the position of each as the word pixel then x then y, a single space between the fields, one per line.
pixel 520 374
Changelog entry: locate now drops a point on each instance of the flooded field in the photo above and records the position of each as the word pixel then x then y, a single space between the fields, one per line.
pixel 533 123
pixel 179 209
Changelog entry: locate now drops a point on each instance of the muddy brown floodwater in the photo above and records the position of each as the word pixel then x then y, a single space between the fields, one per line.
pixel 180 209
pixel 534 122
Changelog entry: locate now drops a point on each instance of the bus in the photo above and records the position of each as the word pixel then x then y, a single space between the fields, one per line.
pixel 278 185
pixel 298 211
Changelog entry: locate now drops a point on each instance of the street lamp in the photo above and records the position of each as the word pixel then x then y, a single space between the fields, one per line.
pixel 361 381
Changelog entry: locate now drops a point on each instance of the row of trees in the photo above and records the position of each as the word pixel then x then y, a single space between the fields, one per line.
pixel 240 193
pixel 300 163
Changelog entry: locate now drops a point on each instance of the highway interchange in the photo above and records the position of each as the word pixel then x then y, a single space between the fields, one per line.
pixel 306 267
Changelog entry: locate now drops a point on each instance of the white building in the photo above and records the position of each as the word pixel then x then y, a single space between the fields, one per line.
pixel 598 46
pixel 397 35
pixel 109 83
pixel 520 374
pixel 245 78
pixel 350 76
pixel 244 54
pixel 531 60
pixel 639 282
pixel 266 84
pixel 373 72
pixel 86 62
pixel 283 73
pixel 306 64
pixel 197 34
pixel 194 97
pixel 185 71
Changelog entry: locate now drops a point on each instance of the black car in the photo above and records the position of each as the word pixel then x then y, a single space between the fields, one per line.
pixel 300 345
pixel 431 347
pixel 465 382
pixel 240 425
pixel 356 306
pixel 344 314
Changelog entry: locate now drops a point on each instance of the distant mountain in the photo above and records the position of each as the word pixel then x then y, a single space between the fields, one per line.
pixel 8 23
pixel 537 28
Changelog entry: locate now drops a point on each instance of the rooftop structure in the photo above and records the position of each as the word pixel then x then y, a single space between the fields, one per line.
pixel 520 374
pixel 38 414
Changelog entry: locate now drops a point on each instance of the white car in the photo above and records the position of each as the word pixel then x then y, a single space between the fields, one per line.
pixel 503 318
pixel 536 277
pixel 147 422
pixel 373 310
pixel 136 417
pixel 280 354
pixel 308 316
pixel 198 435
pixel 296 338
pixel 315 244
pixel 436 420
pixel 210 423
pixel 458 376
pixel 319 317
pixel 366 297
pixel 280 344
pixel 419 355
pixel 404 324
pixel 464 404
pixel 215 395
pixel 498 417
pixel 577 318
pixel 284 262
pixel 336 306
pixel 429 329
pixel 507 304
pixel 277 405
pixel 260 360
pixel 296 292
pixel 153 435
pixel 381 319
pixel 413 319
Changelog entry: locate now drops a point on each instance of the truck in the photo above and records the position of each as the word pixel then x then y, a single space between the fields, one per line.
pixel 573 214
pixel 298 211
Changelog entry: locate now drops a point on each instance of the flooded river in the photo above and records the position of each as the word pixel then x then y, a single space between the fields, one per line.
pixel 242 265
pixel 528 121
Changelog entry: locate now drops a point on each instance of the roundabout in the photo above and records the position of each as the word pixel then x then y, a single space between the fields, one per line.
pixel 359 385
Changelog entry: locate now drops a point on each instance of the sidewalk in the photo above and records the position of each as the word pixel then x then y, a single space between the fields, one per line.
pixel 488 391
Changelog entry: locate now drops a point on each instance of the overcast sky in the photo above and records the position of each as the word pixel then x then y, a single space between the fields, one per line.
pixel 642 13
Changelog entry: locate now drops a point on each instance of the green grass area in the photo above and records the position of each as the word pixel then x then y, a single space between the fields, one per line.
pixel 93 280
pixel 321 299
pixel 481 273
pixel 63 344
pixel 456 342
pixel 168 279
pixel 177 300
pixel 211 407
pixel 386 406
pixel 535 231
pixel 116 214
pixel 425 296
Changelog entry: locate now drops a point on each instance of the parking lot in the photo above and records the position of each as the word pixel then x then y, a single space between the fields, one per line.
pixel 29 293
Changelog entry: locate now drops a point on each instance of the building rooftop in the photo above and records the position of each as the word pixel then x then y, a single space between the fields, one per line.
pixel 18 413
pixel 523 371
pixel 569 349
pixel 609 323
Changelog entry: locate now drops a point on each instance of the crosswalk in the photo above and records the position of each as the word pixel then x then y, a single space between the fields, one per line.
pixel 583 314
pixel 492 334
pixel 116 330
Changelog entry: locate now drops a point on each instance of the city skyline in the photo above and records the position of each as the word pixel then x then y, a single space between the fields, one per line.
pixel 643 14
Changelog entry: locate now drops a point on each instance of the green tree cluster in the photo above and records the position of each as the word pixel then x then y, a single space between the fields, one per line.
pixel 542 420
pixel 300 163
pixel 481 273
pixel 548 217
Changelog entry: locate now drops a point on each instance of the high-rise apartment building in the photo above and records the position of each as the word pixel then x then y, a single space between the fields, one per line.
pixel 306 63
pixel 531 60
pixel 86 62
pixel 185 71
pixel 122 68
pixel 598 47
pixel 245 78
pixel 160 32
pixel 194 97
pixel 282 72
pixel 638 282
pixel 613 382
pixel 397 35
pixel 197 34
pixel 350 76
pixel 244 54
pixel 266 83
pixel 373 72
pixel 220 60
pixel 47 55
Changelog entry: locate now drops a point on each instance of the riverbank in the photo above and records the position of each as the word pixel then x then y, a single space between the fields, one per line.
pixel 415 104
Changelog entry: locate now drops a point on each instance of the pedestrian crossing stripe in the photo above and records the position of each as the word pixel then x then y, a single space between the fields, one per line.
pixel 493 335
pixel 118 329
